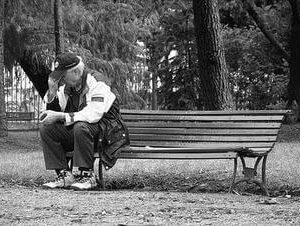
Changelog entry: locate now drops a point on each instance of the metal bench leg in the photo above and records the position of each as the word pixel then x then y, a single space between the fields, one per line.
pixel 251 173
pixel 263 175
pixel 234 176
pixel 262 184
pixel 100 173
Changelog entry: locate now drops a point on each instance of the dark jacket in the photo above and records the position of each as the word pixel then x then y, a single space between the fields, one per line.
pixel 114 138
pixel 116 133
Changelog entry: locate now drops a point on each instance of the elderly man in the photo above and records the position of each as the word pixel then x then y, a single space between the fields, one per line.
pixel 88 112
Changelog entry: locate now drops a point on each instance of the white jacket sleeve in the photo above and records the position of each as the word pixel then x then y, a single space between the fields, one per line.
pixel 99 99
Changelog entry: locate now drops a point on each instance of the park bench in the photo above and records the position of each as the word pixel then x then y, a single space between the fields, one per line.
pixel 19 116
pixel 203 135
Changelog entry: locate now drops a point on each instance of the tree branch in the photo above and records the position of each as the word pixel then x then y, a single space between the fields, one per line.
pixel 250 7
pixel 58 27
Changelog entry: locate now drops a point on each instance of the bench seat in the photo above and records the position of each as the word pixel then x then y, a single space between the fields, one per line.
pixel 203 135
pixel 176 153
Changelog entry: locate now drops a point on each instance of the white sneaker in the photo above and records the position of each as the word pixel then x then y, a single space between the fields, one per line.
pixel 87 181
pixel 64 180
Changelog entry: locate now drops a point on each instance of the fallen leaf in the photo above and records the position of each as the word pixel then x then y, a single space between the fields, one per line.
pixel 271 201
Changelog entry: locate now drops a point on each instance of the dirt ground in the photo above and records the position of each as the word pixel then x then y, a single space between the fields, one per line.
pixel 37 206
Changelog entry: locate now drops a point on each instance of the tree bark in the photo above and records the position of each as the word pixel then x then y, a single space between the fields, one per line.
pixel 3 124
pixel 294 82
pixel 212 66
pixel 154 91
pixel 58 27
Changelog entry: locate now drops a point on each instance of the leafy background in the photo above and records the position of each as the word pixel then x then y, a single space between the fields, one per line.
pixel 105 34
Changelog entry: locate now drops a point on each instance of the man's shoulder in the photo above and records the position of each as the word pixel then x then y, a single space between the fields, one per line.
pixel 99 77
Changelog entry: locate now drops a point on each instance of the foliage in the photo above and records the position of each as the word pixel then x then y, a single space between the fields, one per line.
pixel 105 34
pixel 29 24
pixel 108 32
pixel 258 72
pixel 173 58
pixel 233 15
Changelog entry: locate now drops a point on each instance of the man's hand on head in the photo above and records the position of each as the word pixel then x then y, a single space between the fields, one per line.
pixel 53 88
pixel 49 117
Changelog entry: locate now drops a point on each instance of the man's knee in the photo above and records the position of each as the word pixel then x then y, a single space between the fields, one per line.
pixel 81 129
pixel 45 129
pixel 51 131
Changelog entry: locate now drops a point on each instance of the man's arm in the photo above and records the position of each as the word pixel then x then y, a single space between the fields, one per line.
pixel 50 117
pixel 53 112
pixel 100 100
pixel 52 91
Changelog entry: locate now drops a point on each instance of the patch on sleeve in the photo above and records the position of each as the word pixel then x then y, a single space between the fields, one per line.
pixel 98 99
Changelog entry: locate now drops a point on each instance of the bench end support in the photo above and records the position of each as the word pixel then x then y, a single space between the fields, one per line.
pixel 250 174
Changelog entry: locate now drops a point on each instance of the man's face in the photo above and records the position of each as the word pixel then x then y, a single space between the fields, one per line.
pixel 72 78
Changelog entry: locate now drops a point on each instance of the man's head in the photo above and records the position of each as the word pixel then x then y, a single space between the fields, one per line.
pixel 68 69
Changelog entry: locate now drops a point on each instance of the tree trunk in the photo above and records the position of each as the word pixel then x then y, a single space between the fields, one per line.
pixel 58 27
pixel 36 69
pixel 294 82
pixel 212 66
pixel 3 124
pixel 154 91
pixel 32 62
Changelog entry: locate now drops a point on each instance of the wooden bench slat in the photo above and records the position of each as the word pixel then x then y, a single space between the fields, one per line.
pixel 184 131
pixel 156 137
pixel 149 150
pixel 241 125
pixel 210 149
pixel 203 118
pixel 228 155
pixel 179 112
pixel 199 144
pixel 259 150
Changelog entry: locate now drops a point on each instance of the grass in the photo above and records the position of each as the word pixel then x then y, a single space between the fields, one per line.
pixel 22 163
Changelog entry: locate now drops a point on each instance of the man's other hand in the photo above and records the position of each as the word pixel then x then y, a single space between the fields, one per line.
pixel 49 117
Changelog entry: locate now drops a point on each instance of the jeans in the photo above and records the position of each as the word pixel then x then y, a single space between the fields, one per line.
pixel 57 139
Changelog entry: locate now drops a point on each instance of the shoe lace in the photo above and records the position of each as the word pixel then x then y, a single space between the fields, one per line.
pixel 85 177
pixel 61 175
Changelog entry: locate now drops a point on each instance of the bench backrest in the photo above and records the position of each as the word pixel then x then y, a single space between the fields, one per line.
pixel 256 130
